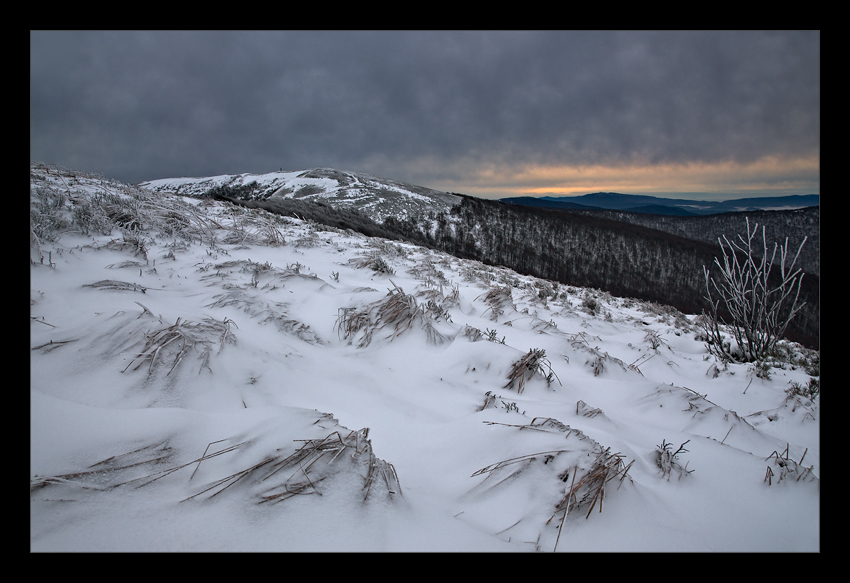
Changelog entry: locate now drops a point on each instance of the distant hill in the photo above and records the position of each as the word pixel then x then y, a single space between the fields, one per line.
pixel 665 206
pixel 374 197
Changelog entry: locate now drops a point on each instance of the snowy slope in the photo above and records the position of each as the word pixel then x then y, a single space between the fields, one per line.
pixel 375 197
pixel 212 378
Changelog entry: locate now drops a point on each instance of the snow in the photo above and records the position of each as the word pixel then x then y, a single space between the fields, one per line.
pixel 281 373
pixel 377 198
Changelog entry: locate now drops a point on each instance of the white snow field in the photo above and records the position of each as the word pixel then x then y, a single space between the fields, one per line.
pixel 205 377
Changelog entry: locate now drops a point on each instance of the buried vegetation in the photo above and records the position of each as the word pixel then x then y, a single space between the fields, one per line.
pixel 281 474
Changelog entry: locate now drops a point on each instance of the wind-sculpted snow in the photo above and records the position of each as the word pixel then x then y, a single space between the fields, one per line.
pixel 208 377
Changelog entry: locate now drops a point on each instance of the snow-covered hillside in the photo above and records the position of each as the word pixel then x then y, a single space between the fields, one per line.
pixel 205 377
pixel 377 198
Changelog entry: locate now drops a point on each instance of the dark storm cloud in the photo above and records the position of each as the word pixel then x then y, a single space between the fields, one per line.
pixel 143 105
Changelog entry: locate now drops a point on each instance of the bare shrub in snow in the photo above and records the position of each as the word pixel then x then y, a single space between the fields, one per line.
pixel 760 309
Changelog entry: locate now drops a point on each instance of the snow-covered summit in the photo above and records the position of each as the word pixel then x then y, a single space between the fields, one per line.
pixel 375 197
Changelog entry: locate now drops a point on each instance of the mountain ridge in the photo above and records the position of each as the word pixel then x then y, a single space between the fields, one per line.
pixel 382 197
pixel 647 204
pixel 374 196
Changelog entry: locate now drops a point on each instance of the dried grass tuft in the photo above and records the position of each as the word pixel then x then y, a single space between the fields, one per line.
pixel 376 263
pixel 180 339
pixel 524 369
pixel 116 285
pixel 789 468
pixel 397 312
pixel 267 312
pixel 590 487
pixel 587 481
pixel 498 299
pixel 668 460
pixel 276 477
pixel 101 475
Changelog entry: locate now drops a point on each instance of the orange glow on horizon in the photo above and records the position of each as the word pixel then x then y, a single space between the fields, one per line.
pixel 801 175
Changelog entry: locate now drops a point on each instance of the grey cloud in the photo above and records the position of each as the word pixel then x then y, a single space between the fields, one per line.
pixel 143 105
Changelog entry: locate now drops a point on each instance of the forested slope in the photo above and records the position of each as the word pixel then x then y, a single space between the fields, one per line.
pixel 585 250
pixel 795 224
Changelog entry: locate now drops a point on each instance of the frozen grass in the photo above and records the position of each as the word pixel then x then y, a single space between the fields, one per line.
pixel 533 363
pixel 181 339
pixel 395 314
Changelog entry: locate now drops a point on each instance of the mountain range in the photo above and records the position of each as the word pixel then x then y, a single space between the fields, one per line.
pixel 380 198
pixel 383 200
pixel 665 206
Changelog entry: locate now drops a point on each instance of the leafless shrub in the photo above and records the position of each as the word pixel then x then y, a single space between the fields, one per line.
pixel 760 310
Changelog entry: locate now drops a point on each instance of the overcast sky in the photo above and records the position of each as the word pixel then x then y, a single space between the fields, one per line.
pixel 490 113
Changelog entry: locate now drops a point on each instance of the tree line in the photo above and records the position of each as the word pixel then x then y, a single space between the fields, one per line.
pixel 586 250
